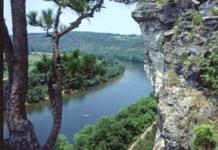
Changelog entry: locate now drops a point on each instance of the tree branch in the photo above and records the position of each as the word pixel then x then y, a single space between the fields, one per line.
pixel 32 20
pixel 78 21
pixel 57 19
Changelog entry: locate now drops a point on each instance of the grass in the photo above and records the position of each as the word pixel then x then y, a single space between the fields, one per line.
pixel 213 11
pixel 173 78
pixel 162 1
pixel 197 18
pixel 183 57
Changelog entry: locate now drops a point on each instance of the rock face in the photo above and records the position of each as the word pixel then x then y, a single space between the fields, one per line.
pixel 170 38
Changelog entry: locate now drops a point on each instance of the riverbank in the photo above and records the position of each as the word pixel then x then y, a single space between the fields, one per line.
pixel 74 92
pixel 81 71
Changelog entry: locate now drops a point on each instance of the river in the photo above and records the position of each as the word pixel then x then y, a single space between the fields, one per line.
pixel 87 107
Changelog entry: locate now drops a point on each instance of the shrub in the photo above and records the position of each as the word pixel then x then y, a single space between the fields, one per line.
pixel 62 143
pixel 36 94
pixel 192 61
pixel 183 57
pixel 204 137
pixel 162 1
pixel 197 18
pixel 173 78
pixel 210 71
pixel 213 11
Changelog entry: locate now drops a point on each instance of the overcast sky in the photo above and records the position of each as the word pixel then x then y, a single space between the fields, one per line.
pixel 115 18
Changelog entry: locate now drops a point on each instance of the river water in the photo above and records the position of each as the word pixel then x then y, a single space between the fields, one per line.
pixel 87 107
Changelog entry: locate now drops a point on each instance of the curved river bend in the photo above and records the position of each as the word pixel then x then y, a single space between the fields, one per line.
pixel 87 107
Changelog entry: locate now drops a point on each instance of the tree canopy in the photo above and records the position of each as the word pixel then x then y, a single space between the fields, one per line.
pixel 49 20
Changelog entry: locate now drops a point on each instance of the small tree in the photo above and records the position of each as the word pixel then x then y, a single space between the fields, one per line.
pixel 50 22
pixel 205 137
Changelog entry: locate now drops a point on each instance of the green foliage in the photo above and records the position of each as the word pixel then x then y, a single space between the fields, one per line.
pixel 80 71
pixel 120 130
pixel 210 70
pixel 32 16
pixel 197 18
pixel 173 78
pixel 142 1
pixel 162 1
pixel 44 65
pixel 62 143
pixel 37 90
pixel 85 70
pixel 147 143
pixel 183 57
pixel 123 47
pixel 79 6
pixel 213 11
pixel 37 93
pixel 46 20
pixel 192 61
pixel 32 60
pixel 192 34
pixel 205 137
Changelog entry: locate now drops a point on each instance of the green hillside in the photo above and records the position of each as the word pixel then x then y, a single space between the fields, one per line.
pixel 125 47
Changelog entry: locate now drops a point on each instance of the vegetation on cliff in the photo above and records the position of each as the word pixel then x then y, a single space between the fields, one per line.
pixel 205 137
pixel 208 70
pixel 117 132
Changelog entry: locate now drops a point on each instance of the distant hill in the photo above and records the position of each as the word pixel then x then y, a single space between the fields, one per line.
pixel 126 47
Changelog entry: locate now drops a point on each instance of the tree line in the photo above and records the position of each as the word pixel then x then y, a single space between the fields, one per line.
pixel 81 71
pixel 124 47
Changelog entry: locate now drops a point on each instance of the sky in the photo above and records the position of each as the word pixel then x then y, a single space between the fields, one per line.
pixel 115 18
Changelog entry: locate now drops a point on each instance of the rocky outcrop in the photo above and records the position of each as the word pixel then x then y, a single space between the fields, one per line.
pixel 170 38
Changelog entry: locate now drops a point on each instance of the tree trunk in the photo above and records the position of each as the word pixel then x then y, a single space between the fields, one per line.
pixel 1 76
pixel 9 58
pixel 21 132
pixel 55 84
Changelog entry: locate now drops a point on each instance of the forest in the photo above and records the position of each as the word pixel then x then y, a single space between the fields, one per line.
pixel 123 47
pixel 81 71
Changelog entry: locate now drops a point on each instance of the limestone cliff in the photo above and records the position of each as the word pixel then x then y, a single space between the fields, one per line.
pixel 171 38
